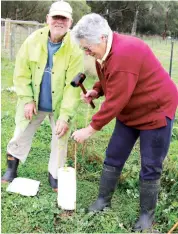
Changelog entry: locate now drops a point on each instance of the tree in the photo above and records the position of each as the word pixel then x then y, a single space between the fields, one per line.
pixel 121 15
pixel 80 8
pixel 37 10
pixel 25 10
pixel 148 17
pixel 160 19
pixel 138 8
pixel 173 19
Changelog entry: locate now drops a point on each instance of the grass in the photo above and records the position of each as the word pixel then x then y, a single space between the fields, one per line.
pixel 40 214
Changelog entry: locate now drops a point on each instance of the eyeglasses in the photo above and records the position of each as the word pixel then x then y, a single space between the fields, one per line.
pixel 86 49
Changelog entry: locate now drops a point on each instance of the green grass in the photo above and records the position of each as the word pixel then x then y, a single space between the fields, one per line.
pixel 40 214
pixel 6 73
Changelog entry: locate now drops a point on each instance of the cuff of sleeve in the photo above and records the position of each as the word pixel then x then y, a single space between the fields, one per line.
pixel 26 99
pixel 66 118
pixel 97 128
pixel 99 93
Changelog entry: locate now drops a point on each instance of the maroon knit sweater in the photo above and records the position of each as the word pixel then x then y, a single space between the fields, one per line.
pixel 138 91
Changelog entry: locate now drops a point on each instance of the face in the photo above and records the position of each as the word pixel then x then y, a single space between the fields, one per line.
pixel 58 25
pixel 95 50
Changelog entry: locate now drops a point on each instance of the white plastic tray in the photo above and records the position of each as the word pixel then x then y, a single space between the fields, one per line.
pixel 24 186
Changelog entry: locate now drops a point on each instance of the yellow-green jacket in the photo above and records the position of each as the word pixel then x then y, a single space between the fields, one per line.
pixel 30 64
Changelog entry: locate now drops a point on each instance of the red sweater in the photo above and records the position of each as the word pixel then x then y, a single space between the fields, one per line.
pixel 138 91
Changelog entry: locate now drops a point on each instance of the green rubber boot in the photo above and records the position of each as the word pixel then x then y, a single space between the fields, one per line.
pixel 107 187
pixel 148 199
pixel 11 172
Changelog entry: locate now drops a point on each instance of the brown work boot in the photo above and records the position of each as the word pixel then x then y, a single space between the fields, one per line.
pixel 11 171
pixel 53 182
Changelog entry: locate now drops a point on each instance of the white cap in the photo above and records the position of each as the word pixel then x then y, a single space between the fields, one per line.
pixel 61 8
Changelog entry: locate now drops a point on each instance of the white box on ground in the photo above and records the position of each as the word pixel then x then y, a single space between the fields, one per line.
pixel 67 188
pixel 24 186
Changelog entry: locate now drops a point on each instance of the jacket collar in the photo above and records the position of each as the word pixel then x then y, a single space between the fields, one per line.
pixel 108 47
pixel 44 33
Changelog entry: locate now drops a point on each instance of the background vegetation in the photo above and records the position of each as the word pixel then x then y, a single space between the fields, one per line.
pixel 40 214
pixel 148 17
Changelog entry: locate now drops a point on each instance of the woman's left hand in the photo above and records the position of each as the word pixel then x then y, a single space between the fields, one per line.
pixel 83 134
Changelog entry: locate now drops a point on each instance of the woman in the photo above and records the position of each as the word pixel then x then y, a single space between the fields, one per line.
pixel 141 96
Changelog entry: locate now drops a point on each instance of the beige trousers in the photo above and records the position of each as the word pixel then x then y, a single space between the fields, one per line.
pixel 20 145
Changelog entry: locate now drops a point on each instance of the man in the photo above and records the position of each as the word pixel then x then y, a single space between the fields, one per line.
pixel 46 63
pixel 141 96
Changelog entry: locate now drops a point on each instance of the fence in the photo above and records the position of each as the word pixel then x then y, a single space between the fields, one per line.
pixel 13 34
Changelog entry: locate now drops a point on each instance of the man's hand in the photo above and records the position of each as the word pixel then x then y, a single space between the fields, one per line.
pixel 61 128
pixel 83 134
pixel 29 110
pixel 89 96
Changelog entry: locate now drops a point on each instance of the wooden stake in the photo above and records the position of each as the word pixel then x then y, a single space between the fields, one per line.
pixel 86 123
pixel 100 104
pixel 75 157
pixel 87 116
pixel 173 228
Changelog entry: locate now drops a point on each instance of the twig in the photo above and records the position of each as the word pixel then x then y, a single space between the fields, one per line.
pixel 86 123
pixel 173 228
pixel 87 117
pixel 99 106
pixel 75 157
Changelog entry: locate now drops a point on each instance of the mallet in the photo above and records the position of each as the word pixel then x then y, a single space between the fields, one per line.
pixel 77 81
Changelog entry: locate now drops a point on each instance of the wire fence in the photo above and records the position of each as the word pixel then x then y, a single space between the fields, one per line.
pixel 13 34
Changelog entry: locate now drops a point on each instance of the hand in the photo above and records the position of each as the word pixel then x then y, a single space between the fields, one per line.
pixel 83 134
pixel 29 110
pixel 61 128
pixel 89 96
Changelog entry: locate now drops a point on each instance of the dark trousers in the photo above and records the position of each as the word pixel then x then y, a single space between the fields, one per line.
pixel 154 145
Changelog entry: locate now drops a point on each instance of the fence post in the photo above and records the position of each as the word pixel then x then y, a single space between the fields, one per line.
pixel 7 34
pixel 12 44
pixel 170 66
pixel 10 40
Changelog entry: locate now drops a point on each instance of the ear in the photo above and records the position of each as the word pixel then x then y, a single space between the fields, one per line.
pixel 47 19
pixel 70 23
pixel 103 38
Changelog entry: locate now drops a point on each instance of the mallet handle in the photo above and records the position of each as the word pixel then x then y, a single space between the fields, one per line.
pixel 84 91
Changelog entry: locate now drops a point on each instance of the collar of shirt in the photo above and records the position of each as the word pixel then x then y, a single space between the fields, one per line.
pixel 64 39
pixel 54 43
pixel 108 47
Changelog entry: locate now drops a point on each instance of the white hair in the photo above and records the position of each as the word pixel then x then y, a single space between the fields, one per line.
pixel 91 27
